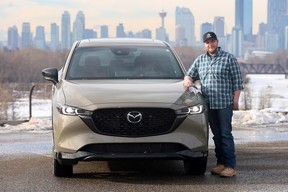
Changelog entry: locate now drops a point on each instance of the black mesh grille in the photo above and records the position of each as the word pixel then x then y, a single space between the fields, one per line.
pixel 155 121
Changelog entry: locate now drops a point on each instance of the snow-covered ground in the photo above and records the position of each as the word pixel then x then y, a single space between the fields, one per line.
pixel 268 124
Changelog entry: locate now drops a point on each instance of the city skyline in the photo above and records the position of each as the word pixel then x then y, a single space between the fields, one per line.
pixel 134 16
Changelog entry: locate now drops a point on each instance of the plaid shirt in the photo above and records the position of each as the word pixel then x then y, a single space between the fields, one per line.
pixel 220 76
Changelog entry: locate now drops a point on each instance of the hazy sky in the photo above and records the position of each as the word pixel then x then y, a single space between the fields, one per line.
pixel 135 15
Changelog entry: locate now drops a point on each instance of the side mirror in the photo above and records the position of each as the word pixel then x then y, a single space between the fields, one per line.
pixel 50 74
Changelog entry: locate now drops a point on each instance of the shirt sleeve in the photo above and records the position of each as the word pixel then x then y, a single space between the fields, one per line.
pixel 236 75
pixel 193 70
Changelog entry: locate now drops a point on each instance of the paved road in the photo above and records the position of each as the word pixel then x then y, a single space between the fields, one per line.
pixel 261 167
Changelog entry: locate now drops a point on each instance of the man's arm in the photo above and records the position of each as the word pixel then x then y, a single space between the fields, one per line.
pixel 236 99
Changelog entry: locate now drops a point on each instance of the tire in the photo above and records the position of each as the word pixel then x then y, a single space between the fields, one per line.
pixel 195 166
pixel 60 170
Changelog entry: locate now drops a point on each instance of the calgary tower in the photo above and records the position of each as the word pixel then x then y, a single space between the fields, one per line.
pixel 162 15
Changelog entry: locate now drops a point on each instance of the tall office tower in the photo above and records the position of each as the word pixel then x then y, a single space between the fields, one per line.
pixel 219 26
pixel 39 40
pixel 185 27
pixel 237 39
pixel 54 45
pixel 104 31
pixel 277 9
pixel 26 35
pixel 219 29
pixel 260 40
pixel 13 38
pixel 244 17
pixel 66 31
pixel 79 27
pixel 205 27
pixel 120 33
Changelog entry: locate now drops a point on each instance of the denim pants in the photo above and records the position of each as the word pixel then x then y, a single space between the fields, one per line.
pixel 220 123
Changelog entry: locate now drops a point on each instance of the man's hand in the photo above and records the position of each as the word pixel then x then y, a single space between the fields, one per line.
pixel 235 106
pixel 188 82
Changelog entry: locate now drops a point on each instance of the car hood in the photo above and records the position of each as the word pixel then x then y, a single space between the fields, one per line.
pixel 91 94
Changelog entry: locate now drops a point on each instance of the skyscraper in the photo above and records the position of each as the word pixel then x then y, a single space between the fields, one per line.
pixel 13 38
pixel 66 30
pixel 104 31
pixel 219 26
pixel 26 35
pixel 244 17
pixel 79 27
pixel 54 37
pixel 237 39
pixel 39 40
pixel 205 27
pixel 184 26
pixel 120 33
pixel 219 29
pixel 277 10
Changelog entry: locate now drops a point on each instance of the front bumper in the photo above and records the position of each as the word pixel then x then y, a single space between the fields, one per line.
pixel 169 151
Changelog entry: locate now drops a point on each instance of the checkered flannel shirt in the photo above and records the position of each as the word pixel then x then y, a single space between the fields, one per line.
pixel 219 75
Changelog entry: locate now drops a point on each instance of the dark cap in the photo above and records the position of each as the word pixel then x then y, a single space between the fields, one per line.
pixel 209 35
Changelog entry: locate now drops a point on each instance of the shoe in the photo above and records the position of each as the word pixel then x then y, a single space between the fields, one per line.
pixel 218 169
pixel 228 172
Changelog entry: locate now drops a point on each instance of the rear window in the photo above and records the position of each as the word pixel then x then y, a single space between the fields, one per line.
pixel 124 63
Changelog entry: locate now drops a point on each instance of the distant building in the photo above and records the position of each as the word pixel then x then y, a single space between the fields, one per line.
pixel 79 27
pixel 54 44
pixel 26 35
pixel 244 17
pixel 120 33
pixel 161 34
pixel 39 40
pixel 90 34
pixel 277 9
pixel 13 38
pixel 104 31
pixel 184 27
pixel 66 31
pixel 146 33
pixel 219 26
pixel 205 27
pixel 237 39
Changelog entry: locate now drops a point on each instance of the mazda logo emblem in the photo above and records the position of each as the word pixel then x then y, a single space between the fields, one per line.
pixel 134 117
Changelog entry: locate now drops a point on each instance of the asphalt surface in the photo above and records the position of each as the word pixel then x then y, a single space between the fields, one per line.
pixel 261 167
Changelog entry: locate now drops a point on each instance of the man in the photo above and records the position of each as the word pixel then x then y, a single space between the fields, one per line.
pixel 221 84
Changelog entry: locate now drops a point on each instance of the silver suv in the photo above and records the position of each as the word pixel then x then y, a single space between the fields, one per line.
pixel 123 99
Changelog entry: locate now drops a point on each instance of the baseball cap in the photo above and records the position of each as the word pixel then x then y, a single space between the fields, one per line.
pixel 209 35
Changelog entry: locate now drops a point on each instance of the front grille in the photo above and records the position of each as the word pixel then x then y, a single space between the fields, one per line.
pixel 155 121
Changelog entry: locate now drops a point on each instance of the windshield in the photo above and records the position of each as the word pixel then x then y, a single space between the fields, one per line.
pixel 124 63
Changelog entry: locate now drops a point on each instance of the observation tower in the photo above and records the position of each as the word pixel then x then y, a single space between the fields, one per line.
pixel 162 15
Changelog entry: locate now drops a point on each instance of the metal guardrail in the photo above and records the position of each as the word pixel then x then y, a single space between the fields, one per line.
pixel 16 122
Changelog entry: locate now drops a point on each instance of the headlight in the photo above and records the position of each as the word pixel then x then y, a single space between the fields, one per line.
pixel 68 110
pixel 191 110
pixel 195 109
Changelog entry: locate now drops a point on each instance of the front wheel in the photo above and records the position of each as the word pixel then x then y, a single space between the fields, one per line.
pixel 195 166
pixel 60 170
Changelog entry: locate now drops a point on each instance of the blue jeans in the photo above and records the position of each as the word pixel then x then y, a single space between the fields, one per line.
pixel 220 123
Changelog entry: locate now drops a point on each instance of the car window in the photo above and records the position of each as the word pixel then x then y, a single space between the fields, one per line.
pixel 124 63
